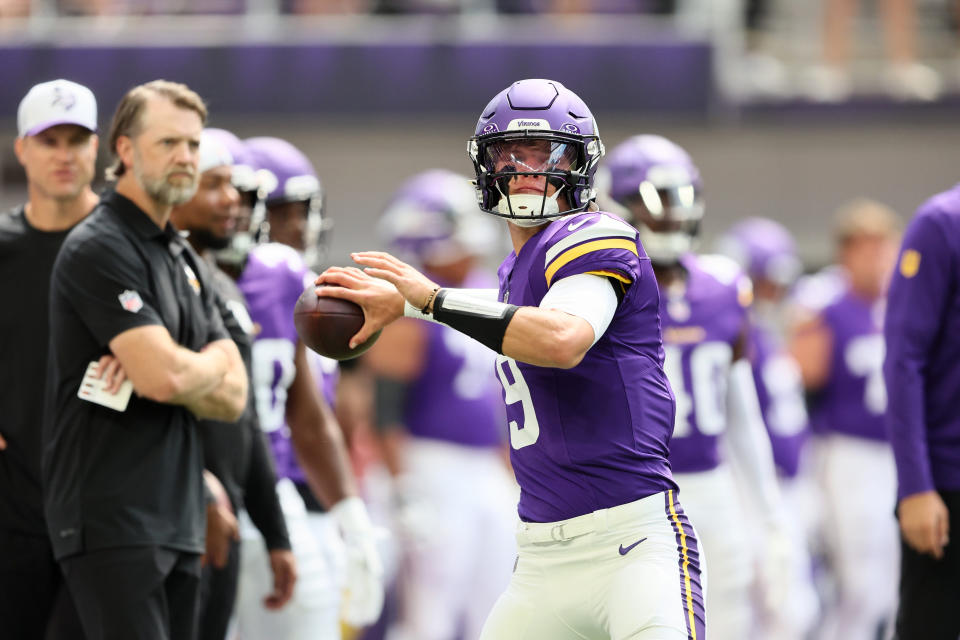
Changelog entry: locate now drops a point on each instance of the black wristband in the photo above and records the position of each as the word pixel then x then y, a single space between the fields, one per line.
pixel 487 326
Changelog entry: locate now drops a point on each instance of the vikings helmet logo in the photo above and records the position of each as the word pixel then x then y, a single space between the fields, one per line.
pixel 63 98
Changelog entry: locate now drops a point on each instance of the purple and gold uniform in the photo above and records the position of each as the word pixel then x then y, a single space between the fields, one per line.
pixel 853 399
pixel 855 469
pixel 594 436
pixel 274 277
pixel 700 331
pixel 272 281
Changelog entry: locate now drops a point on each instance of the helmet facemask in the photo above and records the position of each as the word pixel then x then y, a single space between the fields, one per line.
pixel 532 176
pixel 667 210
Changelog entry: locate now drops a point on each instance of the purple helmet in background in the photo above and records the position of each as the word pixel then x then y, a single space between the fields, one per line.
pixel 765 250
pixel 286 175
pixel 658 185
pixel 535 129
pixel 433 219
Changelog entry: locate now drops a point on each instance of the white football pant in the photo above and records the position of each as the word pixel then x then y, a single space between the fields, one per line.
pixel 858 479
pixel 713 500
pixel 314 611
pixel 630 572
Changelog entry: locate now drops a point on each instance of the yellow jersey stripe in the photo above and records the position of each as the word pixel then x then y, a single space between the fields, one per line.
pixel 686 564
pixel 597 245
pixel 611 274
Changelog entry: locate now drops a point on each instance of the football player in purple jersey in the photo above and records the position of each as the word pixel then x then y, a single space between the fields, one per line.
pixel 922 354
pixel 766 251
pixel 840 351
pixel 605 551
pixel 704 302
pixel 440 417
pixel 236 457
pixel 293 195
pixel 305 439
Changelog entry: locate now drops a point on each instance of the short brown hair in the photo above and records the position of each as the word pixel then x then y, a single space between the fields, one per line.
pixel 126 119
pixel 865 217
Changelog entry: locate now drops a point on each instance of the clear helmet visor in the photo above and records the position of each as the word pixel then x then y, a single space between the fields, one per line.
pixel 532 174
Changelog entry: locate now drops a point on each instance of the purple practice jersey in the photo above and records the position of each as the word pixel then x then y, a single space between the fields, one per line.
pixel 701 326
pixel 272 281
pixel 923 349
pixel 854 397
pixel 594 436
pixel 456 397
pixel 780 392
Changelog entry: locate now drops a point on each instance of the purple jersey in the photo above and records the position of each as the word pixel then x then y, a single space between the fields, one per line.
pixel 456 397
pixel 854 398
pixel 923 349
pixel 594 436
pixel 701 325
pixel 272 281
pixel 780 392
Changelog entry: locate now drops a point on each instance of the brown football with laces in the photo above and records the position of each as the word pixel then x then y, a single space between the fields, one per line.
pixel 326 325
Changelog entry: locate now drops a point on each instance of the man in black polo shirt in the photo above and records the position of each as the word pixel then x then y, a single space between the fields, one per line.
pixel 238 458
pixel 124 490
pixel 57 147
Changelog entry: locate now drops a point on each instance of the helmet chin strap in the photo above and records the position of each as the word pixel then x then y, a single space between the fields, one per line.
pixel 524 209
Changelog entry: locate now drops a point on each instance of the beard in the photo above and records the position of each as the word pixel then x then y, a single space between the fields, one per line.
pixel 161 191
pixel 205 238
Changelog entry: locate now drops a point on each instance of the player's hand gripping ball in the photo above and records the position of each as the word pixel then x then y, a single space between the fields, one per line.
pixel 327 324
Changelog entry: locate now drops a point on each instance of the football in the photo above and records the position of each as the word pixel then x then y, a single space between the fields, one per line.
pixel 327 324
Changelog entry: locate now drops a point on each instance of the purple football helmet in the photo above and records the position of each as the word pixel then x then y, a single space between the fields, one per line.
pixel 765 250
pixel 433 219
pixel 660 188
pixel 286 177
pixel 534 136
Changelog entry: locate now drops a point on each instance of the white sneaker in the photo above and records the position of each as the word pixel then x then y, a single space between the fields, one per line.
pixel 913 81
pixel 823 83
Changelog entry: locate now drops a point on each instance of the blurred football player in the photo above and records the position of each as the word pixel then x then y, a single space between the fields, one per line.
pixel 306 443
pixel 840 351
pixel 240 460
pixel 766 250
pixel 292 194
pixel 440 412
pixel 57 146
pixel 704 302
pixel 605 551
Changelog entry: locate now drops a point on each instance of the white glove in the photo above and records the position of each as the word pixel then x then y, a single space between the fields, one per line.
pixel 363 592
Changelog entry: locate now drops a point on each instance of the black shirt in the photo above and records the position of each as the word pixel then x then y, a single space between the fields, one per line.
pixel 26 259
pixel 132 478
pixel 240 458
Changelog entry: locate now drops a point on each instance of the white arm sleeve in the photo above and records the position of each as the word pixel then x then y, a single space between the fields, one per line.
pixel 487 295
pixel 748 441
pixel 586 296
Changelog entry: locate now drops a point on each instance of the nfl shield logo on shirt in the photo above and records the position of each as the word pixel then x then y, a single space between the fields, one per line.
pixel 130 300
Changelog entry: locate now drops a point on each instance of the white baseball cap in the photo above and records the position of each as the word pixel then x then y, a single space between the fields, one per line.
pixel 56 102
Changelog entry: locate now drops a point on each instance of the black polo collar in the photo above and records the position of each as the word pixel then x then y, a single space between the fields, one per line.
pixel 137 219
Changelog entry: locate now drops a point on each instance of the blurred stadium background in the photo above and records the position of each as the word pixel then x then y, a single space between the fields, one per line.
pixel 376 90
